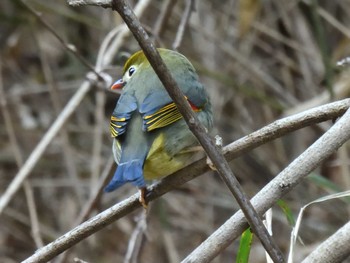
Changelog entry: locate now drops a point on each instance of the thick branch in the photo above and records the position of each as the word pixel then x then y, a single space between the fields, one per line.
pixel 334 249
pixel 278 187
pixel 267 133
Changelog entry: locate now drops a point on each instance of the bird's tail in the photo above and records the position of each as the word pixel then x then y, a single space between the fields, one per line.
pixel 131 171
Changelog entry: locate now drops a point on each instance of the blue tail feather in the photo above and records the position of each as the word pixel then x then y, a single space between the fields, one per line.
pixel 131 171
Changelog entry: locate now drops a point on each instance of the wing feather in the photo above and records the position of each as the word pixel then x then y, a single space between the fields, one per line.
pixel 158 110
pixel 122 113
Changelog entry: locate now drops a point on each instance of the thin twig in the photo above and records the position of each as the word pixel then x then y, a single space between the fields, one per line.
pixel 170 247
pixel 96 195
pixel 43 144
pixel 235 149
pixel 101 3
pixel 110 45
pixel 224 170
pixel 137 236
pixel 184 21
pixel 18 216
pixel 333 21
pixel 92 203
pixel 57 106
pixel 97 138
pixel 163 17
pixel 69 47
pixel 33 215
pixel 341 90
pixel 124 33
pixel 78 260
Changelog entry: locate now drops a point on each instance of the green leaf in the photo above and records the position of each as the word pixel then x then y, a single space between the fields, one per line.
pixel 324 183
pixel 286 211
pixel 244 246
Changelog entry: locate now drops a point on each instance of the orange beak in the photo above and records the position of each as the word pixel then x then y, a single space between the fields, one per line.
pixel 119 84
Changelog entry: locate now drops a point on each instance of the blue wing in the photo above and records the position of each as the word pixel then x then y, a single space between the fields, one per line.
pixel 158 109
pixel 122 113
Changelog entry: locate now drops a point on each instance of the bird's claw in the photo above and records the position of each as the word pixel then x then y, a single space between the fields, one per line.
pixel 142 198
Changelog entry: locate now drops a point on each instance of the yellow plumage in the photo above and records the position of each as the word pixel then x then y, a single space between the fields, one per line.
pixel 158 162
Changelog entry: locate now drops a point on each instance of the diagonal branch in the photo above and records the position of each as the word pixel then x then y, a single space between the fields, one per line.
pixel 71 106
pixel 36 154
pixel 69 47
pixel 274 130
pixel 278 187
pixel 339 242
pixel 28 190
pixel 223 169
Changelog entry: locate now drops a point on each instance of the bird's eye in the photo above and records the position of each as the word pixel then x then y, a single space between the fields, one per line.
pixel 131 71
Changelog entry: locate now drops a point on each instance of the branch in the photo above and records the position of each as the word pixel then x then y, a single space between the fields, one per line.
pixel 338 242
pixel 36 154
pixel 28 190
pixel 71 106
pixel 101 3
pixel 278 187
pixel 163 17
pixel 267 133
pixel 69 47
pixel 184 20
pixel 217 158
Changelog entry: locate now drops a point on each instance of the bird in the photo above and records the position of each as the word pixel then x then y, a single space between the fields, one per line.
pixel 151 139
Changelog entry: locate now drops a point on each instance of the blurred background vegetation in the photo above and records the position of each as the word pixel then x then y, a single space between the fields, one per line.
pixel 260 60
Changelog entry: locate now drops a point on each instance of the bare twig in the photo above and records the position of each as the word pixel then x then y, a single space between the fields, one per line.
pixel 163 17
pixel 57 105
pixel 123 33
pixel 18 216
pixel 338 242
pixel 97 137
pixel 96 195
pixel 33 215
pixel 93 201
pixel 284 126
pixel 170 247
pixel 224 170
pixel 333 21
pixel 341 90
pixel 279 186
pixel 84 230
pixel 184 20
pixel 78 260
pixel 259 73
pixel 101 3
pixel 69 47
pixel 270 132
pixel 137 236
pixel 110 45
pixel 43 144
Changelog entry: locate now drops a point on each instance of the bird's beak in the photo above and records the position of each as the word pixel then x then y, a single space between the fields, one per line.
pixel 119 84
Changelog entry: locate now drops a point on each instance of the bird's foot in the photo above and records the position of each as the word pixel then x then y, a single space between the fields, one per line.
pixel 142 198
pixel 218 144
